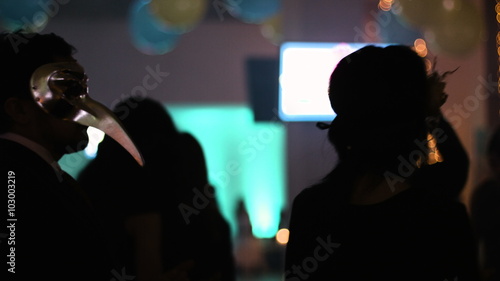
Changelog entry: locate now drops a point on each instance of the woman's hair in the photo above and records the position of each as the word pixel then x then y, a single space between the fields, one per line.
pixel 147 121
pixel 151 128
pixel 380 97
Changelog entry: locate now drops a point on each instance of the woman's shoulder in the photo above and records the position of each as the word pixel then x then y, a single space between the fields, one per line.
pixel 314 197
pixel 314 191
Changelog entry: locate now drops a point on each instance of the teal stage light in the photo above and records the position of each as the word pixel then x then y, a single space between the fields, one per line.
pixel 245 161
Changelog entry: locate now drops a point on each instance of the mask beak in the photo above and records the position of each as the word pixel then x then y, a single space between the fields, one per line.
pixel 61 90
pixel 98 116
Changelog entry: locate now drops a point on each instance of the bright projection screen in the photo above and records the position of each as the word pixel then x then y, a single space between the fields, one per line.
pixel 305 69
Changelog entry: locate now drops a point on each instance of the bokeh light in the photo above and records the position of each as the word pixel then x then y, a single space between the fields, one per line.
pixel 180 15
pixel 434 155
pixel 149 35
pixel 385 5
pixel 282 236
pixel 497 10
pixel 253 11
pixel 420 46
pixel 272 29
pixel 29 15
pixel 458 29
pixel 449 5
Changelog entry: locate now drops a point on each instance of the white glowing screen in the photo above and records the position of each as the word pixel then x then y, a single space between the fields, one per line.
pixel 305 69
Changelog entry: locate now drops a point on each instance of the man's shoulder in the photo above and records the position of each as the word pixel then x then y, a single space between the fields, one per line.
pixel 12 151
pixel 25 164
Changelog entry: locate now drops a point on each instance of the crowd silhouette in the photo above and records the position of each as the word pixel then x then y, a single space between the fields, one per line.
pixel 145 209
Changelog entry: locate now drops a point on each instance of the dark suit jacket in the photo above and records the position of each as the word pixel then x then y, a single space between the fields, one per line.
pixel 55 235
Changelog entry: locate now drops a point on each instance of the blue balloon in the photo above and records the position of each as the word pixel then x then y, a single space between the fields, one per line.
pixel 29 15
pixel 150 35
pixel 253 11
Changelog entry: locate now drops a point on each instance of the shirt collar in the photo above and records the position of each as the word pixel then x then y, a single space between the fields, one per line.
pixel 35 147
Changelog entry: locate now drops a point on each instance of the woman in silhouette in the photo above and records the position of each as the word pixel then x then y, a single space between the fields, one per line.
pixel 378 215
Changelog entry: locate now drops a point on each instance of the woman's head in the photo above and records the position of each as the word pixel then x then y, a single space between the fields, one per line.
pixel 379 96
pixel 149 125
pixel 147 120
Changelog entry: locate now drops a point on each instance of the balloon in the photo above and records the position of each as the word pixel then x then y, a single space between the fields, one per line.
pixel 272 29
pixel 253 11
pixel 29 15
pixel 393 30
pixel 458 31
pixel 181 15
pixel 148 34
pixel 419 13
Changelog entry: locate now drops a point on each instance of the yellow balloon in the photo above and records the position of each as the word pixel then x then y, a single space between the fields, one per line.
pixel 181 15
pixel 272 29
pixel 419 13
pixel 458 31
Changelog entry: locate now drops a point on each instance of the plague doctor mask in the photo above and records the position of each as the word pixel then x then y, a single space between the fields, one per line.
pixel 60 89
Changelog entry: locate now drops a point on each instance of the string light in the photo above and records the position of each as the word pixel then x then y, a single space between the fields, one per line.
pixel 385 5
pixel 434 154
pixel 497 10
pixel 420 46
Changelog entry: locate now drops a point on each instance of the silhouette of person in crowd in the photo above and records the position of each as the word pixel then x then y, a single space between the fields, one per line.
pixel 163 216
pixel 213 254
pixel 378 215
pixel 45 111
pixel 485 212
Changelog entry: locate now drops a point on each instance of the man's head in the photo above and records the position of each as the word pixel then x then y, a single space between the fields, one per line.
pixel 20 55
pixel 45 95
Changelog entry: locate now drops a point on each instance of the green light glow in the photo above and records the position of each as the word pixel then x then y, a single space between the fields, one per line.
pixel 245 161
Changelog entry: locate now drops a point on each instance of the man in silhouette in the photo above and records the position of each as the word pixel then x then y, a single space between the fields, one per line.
pixel 45 111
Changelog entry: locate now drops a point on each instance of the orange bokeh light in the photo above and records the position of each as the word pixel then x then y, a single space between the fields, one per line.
pixel 282 236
